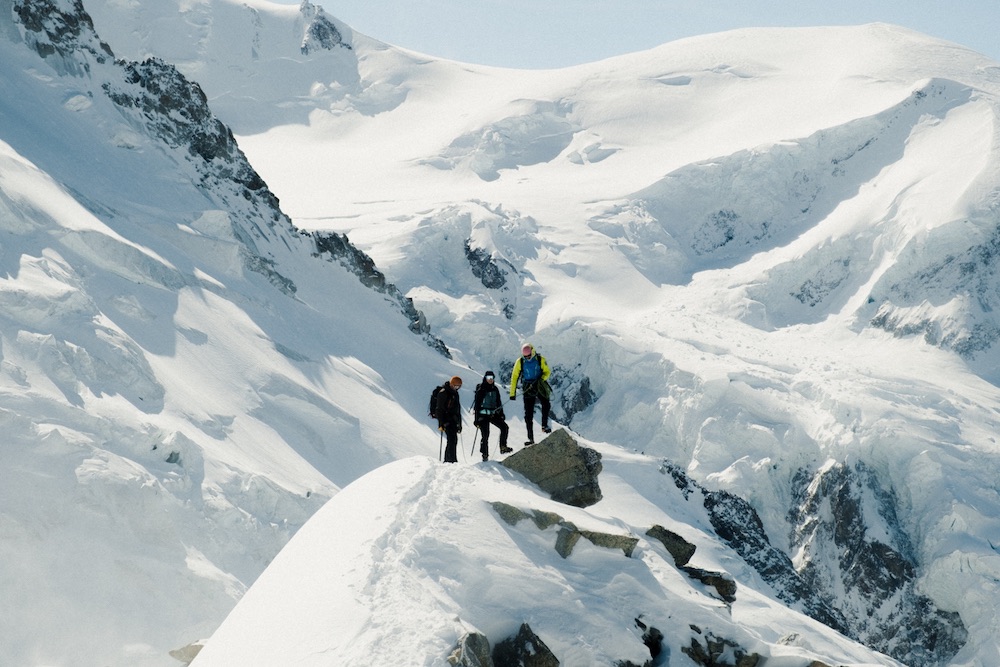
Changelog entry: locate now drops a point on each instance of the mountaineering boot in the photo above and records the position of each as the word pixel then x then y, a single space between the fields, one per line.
pixel 528 443
pixel 546 429
pixel 504 449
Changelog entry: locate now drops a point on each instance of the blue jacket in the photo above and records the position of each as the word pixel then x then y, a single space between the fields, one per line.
pixel 518 372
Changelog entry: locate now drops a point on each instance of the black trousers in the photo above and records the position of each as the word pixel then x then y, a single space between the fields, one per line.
pixel 497 419
pixel 529 413
pixel 451 442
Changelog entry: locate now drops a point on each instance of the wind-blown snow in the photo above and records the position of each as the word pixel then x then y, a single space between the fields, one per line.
pixel 763 251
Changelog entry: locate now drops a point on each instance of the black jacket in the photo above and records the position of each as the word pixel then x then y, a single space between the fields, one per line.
pixel 482 390
pixel 449 406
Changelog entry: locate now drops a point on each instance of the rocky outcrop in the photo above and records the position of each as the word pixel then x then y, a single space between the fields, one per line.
pixel 573 391
pixel 568 534
pixel 855 577
pixel 340 249
pixel 162 103
pixel 850 539
pixel 63 33
pixel 682 551
pixel 562 468
pixel 492 272
pixel 739 526
pixel 473 651
pixel 525 649
pixel 716 651
pixel 320 33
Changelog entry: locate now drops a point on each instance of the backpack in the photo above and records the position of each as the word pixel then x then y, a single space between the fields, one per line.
pixel 489 404
pixel 531 369
pixel 432 408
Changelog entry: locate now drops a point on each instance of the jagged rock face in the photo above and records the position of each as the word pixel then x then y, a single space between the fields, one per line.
pixel 844 577
pixel 321 33
pixel 833 532
pixel 738 524
pixel 339 247
pixel 573 390
pixel 525 649
pixel 158 98
pixel 485 268
pixel 62 28
pixel 492 272
pixel 176 110
pixel 973 272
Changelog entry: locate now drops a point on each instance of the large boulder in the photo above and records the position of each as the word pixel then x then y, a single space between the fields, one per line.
pixel 526 649
pixel 562 468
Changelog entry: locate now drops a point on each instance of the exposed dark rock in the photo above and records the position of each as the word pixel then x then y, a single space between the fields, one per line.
pixel 525 649
pixel 69 35
pixel 682 551
pixel 320 33
pixel 566 539
pixel 510 514
pixel 568 534
pixel 719 652
pixel 159 99
pixel 493 273
pixel 626 543
pixel 651 637
pixel 545 519
pixel 339 248
pixel 738 524
pixel 878 604
pixel 473 651
pixel 677 546
pixel 972 326
pixel 561 467
pixel 573 390
pixel 721 582
pixel 486 268
pixel 878 579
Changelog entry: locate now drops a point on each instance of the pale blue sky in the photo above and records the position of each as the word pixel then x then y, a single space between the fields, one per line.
pixel 554 33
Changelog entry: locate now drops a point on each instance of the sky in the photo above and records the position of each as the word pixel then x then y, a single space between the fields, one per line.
pixel 557 33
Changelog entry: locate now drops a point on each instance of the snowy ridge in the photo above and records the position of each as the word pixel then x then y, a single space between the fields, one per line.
pixel 763 256
pixel 434 560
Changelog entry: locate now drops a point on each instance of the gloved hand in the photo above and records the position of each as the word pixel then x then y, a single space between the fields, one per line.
pixel 513 398
pixel 441 428
pixel 459 428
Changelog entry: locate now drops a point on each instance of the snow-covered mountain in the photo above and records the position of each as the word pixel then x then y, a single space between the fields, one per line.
pixel 762 264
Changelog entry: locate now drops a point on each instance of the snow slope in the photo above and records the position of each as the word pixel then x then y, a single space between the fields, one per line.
pixel 430 559
pixel 760 254
pixel 173 411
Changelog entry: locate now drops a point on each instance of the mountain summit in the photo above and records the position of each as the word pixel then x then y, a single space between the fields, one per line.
pixel 762 265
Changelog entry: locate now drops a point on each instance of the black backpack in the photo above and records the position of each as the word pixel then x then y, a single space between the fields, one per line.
pixel 488 405
pixel 432 408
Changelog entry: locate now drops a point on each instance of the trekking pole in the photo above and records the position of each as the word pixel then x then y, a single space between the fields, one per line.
pixel 473 450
